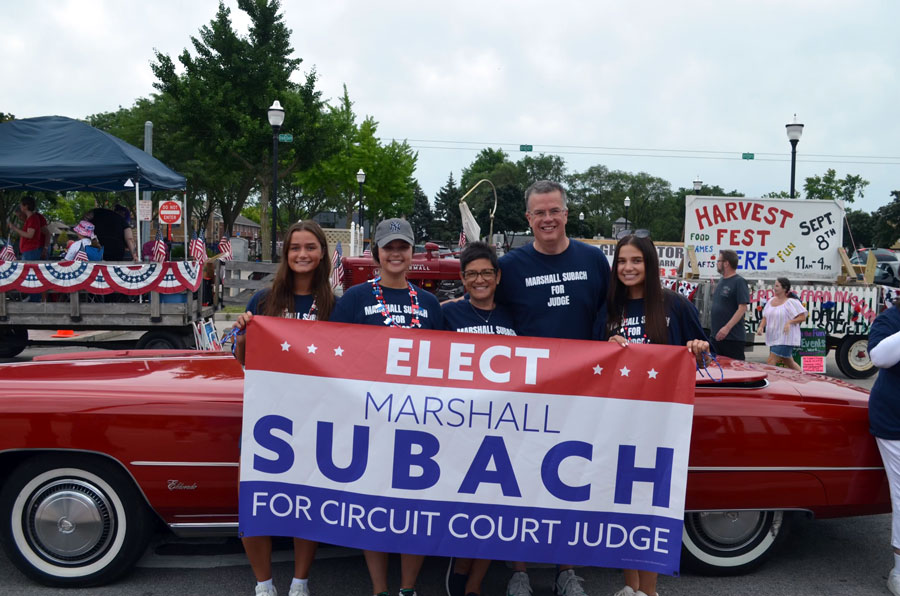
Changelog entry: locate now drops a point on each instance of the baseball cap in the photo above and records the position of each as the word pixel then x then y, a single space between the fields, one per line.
pixel 394 229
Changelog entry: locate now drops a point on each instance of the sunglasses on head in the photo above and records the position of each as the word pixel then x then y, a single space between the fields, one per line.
pixel 635 233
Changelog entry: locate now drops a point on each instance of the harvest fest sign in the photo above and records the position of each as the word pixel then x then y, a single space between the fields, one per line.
pixel 437 443
pixel 772 237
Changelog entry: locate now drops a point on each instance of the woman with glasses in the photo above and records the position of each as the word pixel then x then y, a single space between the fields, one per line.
pixel 475 313
pixel 389 300
pixel 640 310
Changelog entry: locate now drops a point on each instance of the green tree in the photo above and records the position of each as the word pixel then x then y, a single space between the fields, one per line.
pixel 448 222
pixel 861 226
pixel 887 223
pixel 829 187
pixel 220 102
pixel 421 218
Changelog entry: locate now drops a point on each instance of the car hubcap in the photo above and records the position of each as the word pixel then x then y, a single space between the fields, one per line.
pixel 729 530
pixel 859 356
pixel 69 521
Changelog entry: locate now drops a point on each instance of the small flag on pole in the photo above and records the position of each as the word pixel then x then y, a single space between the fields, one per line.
pixel 225 249
pixel 197 248
pixel 462 238
pixel 337 267
pixel 159 249
pixel 81 255
pixel 7 254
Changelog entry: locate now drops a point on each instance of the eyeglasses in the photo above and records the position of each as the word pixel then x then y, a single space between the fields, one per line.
pixel 555 212
pixel 635 233
pixel 486 274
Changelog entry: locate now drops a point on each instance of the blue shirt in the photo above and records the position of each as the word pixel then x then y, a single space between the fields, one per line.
pixel 302 305
pixel 358 305
pixel 461 316
pixel 555 295
pixel 682 320
pixel 884 399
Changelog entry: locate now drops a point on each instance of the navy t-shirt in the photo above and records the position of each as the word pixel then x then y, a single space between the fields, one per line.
pixel 302 305
pixel 463 317
pixel 555 295
pixel 884 400
pixel 358 305
pixel 681 318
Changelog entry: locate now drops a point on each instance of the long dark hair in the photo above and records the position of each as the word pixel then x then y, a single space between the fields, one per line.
pixel 281 296
pixel 656 298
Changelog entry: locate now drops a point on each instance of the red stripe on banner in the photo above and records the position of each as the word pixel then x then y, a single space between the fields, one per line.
pixel 447 359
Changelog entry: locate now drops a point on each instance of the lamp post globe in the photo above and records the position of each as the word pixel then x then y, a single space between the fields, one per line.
pixel 361 178
pixel 794 131
pixel 276 119
pixel 698 184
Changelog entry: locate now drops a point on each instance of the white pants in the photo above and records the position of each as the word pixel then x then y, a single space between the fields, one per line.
pixel 890 455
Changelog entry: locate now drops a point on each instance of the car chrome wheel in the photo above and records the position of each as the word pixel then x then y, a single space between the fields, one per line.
pixel 730 542
pixel 72 520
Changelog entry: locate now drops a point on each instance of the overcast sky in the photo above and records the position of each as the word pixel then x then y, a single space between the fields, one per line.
pixel 678 89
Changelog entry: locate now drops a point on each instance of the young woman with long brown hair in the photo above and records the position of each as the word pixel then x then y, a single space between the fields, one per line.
pixel 301 290
pixel 640 310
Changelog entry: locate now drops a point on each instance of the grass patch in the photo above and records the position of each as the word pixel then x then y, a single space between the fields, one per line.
pixel 234 310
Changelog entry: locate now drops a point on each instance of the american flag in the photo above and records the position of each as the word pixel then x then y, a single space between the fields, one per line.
pixel 7 254
pixel 81 255
pixel 197 248
pixel 225 249
pixel 462 238
pixel 337 267
pixel 159 249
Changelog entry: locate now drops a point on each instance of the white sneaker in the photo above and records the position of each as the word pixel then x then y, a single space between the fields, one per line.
pixel 263 591
pixel 639 593
pixel 518 585
pixel 626 591
pixel 299 590
pixel 893 582
pixel 568 584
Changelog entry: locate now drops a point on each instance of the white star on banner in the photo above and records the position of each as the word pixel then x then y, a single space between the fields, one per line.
pixel 285 346
pixel 652 373
pixel 598 370
pixel 311 348
pixel 624 371
pixel 339 351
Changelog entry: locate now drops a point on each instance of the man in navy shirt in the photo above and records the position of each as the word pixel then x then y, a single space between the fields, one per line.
pixel 555 287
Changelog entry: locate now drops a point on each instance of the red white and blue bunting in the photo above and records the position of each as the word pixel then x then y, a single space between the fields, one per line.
pixel 170 277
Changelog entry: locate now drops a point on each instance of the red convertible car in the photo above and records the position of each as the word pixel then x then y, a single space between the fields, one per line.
pixel 99 450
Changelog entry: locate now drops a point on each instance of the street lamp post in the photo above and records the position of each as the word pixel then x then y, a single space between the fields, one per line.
pixel 276 119
pixel 794 130
pixel 698 184
pixel 581 222
pixel 361 178
pixel 627 204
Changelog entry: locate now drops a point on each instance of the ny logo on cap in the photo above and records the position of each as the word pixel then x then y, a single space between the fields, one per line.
pixel 395 226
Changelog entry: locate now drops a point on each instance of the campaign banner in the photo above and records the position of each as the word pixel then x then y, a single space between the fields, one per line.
pixel 437 443
pixel 772 237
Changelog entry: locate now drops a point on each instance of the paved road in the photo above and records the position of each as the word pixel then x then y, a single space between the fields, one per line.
pixel 846 556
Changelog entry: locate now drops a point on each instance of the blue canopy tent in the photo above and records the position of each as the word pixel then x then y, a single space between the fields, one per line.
pixel 58 154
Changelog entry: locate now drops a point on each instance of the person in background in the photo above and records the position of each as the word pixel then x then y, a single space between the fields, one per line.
pixel 113 233
pixel 390 300
pixel 640 310
pixel 123 212
pixel 884 416
pixel 86 238
pixel 34 237
pixel 477 312
pixel 729 304
pixel 780 322
pixel 301 290
pixel 545 305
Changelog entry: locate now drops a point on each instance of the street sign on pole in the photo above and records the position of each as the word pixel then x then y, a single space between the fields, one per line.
pixel 145 210
pixel 747 156
pixel 170 212
pixel 286 138
pixel 526 147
